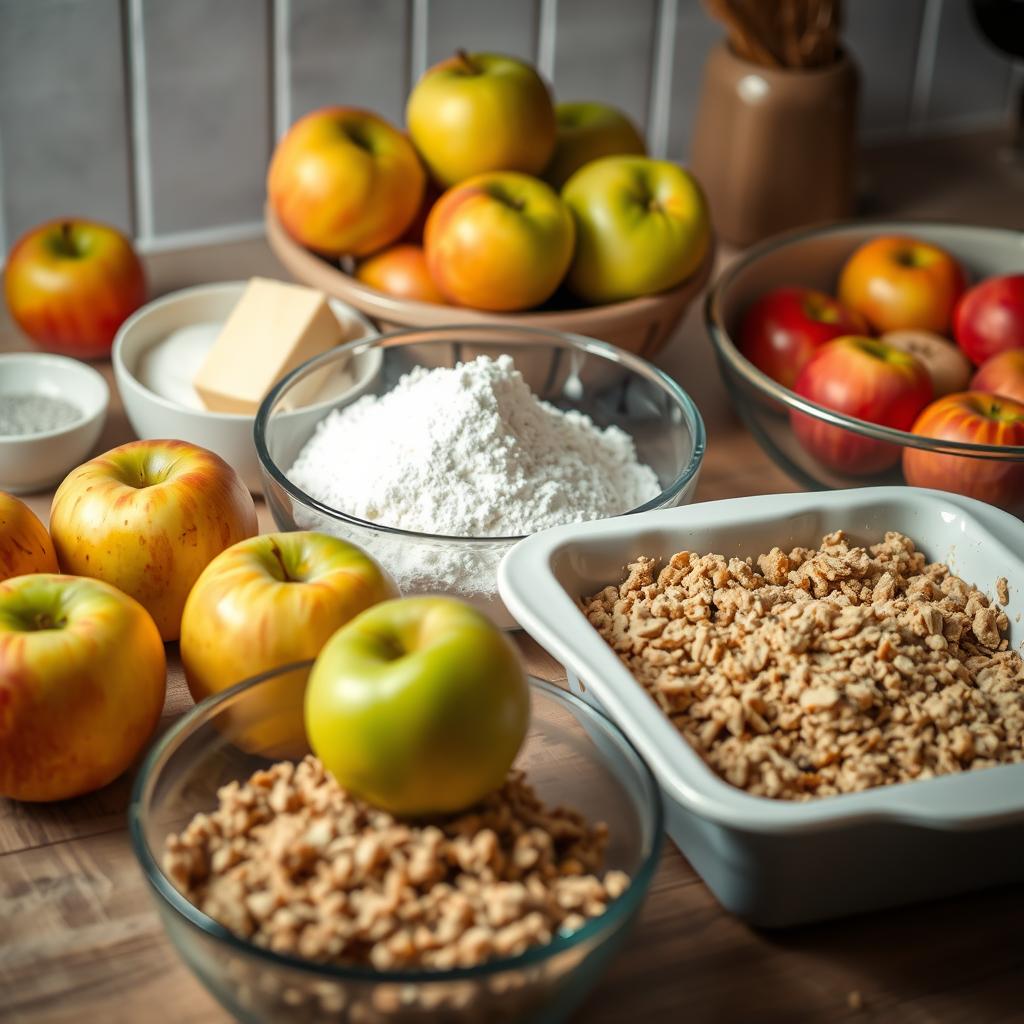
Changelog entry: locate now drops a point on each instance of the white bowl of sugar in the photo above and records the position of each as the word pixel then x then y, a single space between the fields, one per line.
pixel 159 349
pixel 52 411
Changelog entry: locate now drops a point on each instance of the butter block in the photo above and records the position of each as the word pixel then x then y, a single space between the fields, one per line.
pixel 275 327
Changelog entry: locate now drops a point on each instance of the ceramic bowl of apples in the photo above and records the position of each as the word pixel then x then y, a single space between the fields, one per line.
pixel 881 352
pixel 494 204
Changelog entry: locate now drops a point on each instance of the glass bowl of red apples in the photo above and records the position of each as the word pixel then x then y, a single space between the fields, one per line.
pixel 881 352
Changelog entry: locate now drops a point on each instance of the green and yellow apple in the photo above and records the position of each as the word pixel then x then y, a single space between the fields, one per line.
pixel 82 678
pixel 343 180
pixel 587 131
pixel 641 227
pixel 25 546
pixel 418 706
pixel 148 517
pixel 500 241
pixel 70 283
pixel 269 601
pixel 481 112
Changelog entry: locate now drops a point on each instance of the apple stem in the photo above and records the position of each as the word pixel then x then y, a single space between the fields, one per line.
pixel 467 61
pixel 66 240
pixel 280 561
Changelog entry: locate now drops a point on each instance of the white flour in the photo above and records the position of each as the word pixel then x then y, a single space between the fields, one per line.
pixel 466 452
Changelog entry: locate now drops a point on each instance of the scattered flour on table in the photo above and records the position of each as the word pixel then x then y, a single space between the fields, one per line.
pixel 466 452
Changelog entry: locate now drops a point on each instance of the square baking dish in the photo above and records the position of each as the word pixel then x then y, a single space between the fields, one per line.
pixel 774 862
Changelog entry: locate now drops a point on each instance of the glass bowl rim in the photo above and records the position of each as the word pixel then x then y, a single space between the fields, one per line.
pixel 579 342
pixel 727 350
pixel 617 909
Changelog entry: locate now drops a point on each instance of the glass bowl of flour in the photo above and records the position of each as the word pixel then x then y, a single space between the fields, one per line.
pixel 469 439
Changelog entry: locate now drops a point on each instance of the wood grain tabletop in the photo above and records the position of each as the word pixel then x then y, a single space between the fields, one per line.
pixel 80 939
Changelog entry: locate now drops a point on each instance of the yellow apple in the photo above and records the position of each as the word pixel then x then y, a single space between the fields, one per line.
pixel 25 546
pixel 82 679
pixel 587 131
pixel 148 517
pixel 266 602
pixel 345 181
pixel 641 227
pixel 500 241
pixel 481 112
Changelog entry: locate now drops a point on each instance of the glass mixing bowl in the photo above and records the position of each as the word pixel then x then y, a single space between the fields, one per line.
pixel 573 756
pixel 612 387
pixel 813 258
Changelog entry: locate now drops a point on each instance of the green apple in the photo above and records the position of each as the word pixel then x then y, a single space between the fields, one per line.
pixel 642 226
pixel 418 705
pixel 481 112
pixel 587 131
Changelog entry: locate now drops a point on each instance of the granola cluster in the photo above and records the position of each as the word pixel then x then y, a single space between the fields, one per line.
pixel 824 671
pixel 294 863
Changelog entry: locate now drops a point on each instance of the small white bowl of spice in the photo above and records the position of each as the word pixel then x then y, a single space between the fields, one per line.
pixel 52 411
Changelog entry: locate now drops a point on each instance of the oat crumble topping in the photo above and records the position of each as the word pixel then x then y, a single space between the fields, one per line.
pixel 292 862
pixel 816 672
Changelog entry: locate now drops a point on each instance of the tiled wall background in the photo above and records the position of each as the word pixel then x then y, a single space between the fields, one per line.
pixel 159 115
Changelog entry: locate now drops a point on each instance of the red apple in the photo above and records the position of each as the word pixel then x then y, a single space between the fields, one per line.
pixel 990 317
pixel 977 418
pixel 784 328
pixel 71 283
pixel 896 282
pixel 868 380
pixel 1002 374
pixel 148 517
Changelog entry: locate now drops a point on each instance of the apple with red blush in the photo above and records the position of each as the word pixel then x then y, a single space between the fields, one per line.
pixel 972 417
pixel 868 380
pixel 900 283
pixel 785 327
pixel 1002 374
pixel 989 318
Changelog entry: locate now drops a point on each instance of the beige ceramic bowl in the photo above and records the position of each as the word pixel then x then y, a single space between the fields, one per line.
pixel 642 326
pixel 229 434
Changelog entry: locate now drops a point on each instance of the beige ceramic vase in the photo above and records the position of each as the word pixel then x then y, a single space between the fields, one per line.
pixel 775 148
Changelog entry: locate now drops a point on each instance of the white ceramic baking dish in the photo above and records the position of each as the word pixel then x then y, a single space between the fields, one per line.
pixel 777 862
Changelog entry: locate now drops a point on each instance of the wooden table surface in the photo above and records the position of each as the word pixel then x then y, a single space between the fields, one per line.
pixel 80 939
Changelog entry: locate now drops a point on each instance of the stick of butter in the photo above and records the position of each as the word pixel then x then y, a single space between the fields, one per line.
pixel 273 328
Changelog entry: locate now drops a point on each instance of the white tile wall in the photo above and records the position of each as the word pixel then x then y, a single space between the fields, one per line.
pixel 207 98
pixel 885 40
pixel 356 52
pixel 475 25
pixel 159 115
pixel 63 114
